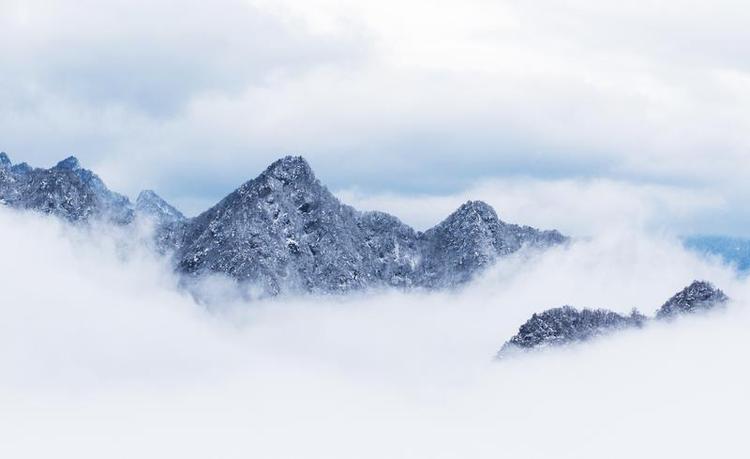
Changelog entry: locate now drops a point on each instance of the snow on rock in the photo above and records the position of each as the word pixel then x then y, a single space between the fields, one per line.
pixel 70 192
pixel 565 325
pixel 470 239
pixel 151 205
pixel 337 248
pixel 284 231
pixel 4 160
pixel 698 296
pixel 66 191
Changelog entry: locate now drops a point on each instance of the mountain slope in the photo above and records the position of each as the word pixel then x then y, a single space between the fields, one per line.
pixel 286 231
pixel 470 239
pixel 76 194
pixel 151 205
pixel 65 190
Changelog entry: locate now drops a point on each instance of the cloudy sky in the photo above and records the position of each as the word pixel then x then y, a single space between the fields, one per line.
pixel 620 120
pixel 585 109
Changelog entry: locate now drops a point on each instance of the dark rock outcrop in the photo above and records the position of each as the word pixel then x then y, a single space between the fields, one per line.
pixel 698 296
pixel 565 325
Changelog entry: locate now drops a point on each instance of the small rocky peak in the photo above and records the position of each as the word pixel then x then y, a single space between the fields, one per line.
pixel 21 168
pixel 471 216
pixel 698 296
pixel 4 160
pixel 290 169
pixel 563 325
pixel 471 210
pixel 147 196
pixel 70 163
pixel 148 202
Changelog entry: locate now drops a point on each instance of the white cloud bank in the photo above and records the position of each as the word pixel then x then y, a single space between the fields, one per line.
pixel 102 356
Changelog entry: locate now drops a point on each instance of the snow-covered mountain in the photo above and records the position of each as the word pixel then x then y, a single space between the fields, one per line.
pixel 698 296
pixel 151 205
pixel 284 231
pixel 564 325
pixel 470 239
pixel 65 190
pixel 76 194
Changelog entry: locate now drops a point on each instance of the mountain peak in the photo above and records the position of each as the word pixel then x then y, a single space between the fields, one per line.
pixel 471 213
pixel 69 163
pixel 698 296
pixel 290 169
pixel 147 195
pixel 477 207
pixel 4 160
pixel 150 203
pixel 67 191
pixel 566 324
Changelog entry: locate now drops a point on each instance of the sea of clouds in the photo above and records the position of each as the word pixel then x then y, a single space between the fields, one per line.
pixel 102 354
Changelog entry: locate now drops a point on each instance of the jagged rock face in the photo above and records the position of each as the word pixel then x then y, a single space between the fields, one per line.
pixel 566 325
pixel 8 181
pixel 9 178
pixel 66 190
pixel 284 230
pixel 392 248
pixel 463 243
pixel 151 205
pixel 472 238
pixel 698 296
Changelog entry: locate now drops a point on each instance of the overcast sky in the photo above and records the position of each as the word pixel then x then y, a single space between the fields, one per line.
pixel 586 104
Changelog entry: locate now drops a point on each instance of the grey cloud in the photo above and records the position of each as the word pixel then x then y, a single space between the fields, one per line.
pixel 206 96
pixel 153 56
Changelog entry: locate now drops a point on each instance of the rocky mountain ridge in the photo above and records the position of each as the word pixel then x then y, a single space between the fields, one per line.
pixel 284 231
pixel 565 325
pixel 67 191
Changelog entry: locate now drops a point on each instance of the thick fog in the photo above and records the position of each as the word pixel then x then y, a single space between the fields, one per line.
pixel 103 355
